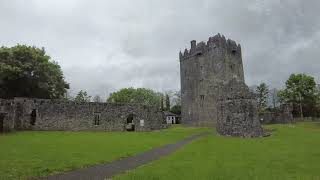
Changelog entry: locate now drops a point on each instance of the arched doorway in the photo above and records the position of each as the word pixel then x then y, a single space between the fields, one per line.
pixel 33 117
pixel 130 123
pixel 1 122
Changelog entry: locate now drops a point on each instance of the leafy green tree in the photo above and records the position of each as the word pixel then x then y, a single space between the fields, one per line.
pixel 139 95
pixel 302 92
pixel 167 102
pixel 262 92
pixel 82 96
pixel 27 71
pixel 176 109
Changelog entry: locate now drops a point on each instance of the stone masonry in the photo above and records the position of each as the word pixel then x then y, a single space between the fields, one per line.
pixel 237 111
pixel 42 114
pixel 213 90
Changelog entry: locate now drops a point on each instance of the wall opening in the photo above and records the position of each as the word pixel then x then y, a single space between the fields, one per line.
pixel 234 52
pixel 201 100
pixel 130 124
pixel 1 122
pixel 232 67
pixel 33 117
pixel 97 116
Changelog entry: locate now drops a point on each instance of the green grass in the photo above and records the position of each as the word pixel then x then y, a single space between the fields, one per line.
pixel 292 152
pixel 33 154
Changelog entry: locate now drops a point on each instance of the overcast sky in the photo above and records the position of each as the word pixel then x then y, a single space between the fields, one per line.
pixel 103 46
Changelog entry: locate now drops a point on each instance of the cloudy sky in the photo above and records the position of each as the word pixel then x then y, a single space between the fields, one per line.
pixel 106 45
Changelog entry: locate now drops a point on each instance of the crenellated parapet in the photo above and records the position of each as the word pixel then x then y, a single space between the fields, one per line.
pixel 216 42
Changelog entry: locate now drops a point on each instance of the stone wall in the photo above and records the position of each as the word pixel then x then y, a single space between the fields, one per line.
pixel 41 114
pixel 283 115
pixel 237 111
pixel 7 112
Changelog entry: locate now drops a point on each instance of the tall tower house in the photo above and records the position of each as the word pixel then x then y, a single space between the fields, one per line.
pixel 204 69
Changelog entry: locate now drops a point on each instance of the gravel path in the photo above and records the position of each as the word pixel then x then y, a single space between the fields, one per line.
pixel 107 170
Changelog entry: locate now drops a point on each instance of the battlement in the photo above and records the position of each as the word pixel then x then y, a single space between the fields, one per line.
pixel 216 42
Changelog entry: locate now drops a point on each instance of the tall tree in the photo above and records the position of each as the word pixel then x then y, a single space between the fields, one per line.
pixel 27 71
pixel 262 92
pixel 162 103
pixel 274 97
pixel 176 109
pixel 97 99
pixel 139 95
pixel 302 92
pixel 82 96
pixel 167 102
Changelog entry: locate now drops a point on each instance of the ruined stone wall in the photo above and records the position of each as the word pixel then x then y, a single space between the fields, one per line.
pixel 7 112
pixel 237 111
pixel 203 69
pixel 281 116
pixel 61 115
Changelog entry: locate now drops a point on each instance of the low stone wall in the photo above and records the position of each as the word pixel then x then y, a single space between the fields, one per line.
pixel 281 116
pixel 41 114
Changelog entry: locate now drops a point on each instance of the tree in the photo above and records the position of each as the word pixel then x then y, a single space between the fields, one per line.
pixel 82 96
pixel 27 71
pixel 97 99
pixel 302 92
pixel 68 97
pixel 262 92
pixel 139 95
pixel 176 109
pixel 161 103
pixel 274 97
pixel 167 102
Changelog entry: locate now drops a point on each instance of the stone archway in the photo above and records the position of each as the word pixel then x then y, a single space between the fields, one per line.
pixel 130 126
pixel 33 117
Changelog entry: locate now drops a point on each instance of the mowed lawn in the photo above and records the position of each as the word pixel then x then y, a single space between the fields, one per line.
pixel 33 154
pixel 292 152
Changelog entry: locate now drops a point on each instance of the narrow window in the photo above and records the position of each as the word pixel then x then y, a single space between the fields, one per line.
pixel 201 100
pixel 232 67
pixel 97 118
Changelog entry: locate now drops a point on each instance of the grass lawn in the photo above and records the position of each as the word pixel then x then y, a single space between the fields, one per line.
pixel 33 154
pixel 292 152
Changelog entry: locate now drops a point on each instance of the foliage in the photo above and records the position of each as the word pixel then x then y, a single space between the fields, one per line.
pixel 161 103
pixel 302 92
pixel 97 99
pixel 262 92
pixel 27 71
pixel 176 109
pixel 274 97
pixel 82 96
pixel 175 97
pixel 167 102
pixel 139 95
pixel 25 155
pixel 292 152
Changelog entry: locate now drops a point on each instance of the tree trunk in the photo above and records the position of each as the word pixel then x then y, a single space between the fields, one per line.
pixel 301 112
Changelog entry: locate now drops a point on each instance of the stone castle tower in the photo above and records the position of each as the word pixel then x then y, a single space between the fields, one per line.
pixel 204 69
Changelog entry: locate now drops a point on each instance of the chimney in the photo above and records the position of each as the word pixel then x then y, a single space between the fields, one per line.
pixel 193 44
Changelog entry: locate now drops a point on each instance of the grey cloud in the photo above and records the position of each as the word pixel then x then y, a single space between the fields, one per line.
pixel 106 45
